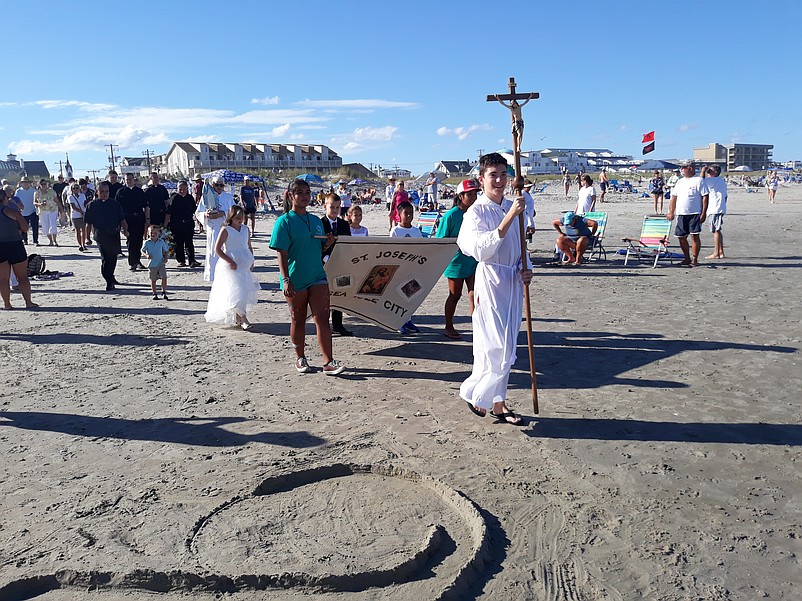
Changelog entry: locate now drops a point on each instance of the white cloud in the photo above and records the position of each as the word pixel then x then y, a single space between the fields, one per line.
pixel 80 104
pixel 463 133
pixel 364 138
pixel 280 131
pixel 91 138
pixel 357 104
pixel 687 126
pixel 265 100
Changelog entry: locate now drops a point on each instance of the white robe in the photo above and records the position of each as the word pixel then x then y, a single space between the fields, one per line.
pixel 498 294
pixel 213 227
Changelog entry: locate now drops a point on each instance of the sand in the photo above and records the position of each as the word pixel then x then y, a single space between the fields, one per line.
pixel 146 452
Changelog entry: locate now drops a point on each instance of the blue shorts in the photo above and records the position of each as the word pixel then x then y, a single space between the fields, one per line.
pixel 687 224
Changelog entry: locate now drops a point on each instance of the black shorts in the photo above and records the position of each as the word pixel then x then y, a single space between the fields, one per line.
pixel 250 210
pixel 603 186
pixel 687 224
pixel 13 252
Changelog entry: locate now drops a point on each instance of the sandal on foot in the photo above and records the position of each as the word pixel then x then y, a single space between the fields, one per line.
pixel 474 410
pixel 452 334
pixel 504 418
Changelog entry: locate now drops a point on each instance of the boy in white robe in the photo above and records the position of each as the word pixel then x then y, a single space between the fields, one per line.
pixel 490 234
pixel 212 219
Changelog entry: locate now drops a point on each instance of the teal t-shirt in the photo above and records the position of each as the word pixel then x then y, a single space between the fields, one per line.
pixel 296 234
pixel 461 266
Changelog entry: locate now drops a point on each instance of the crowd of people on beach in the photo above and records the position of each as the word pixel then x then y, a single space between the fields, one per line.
pixel 488 263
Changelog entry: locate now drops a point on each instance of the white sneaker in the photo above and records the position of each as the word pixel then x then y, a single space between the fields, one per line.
pixel 333 368
pixel 301 366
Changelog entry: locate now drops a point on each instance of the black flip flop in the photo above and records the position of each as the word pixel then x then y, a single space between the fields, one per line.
pixel 474 410
pixel 502 418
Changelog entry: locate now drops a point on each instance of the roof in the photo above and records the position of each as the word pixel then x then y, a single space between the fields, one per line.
pixel 456 166
pixel 36 168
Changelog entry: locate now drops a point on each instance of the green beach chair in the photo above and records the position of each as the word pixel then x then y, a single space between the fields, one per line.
pixel 597 249
pixel 653 241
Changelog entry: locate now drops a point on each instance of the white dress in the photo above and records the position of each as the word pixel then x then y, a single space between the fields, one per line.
pixel 498 294
pixel 234 292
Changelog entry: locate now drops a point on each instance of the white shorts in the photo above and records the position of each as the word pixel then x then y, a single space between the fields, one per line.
pixel 716 221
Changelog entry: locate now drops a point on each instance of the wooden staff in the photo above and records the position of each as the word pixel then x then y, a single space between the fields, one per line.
pixel 517 137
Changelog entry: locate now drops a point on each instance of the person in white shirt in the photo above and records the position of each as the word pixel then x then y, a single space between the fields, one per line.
pixel 431 190
pixel 716 207
pixel 689 199
pixel 490 234
pixel 587 196
pixel 405 229
pixel 76 202
pixel 212 218
pixel 389 192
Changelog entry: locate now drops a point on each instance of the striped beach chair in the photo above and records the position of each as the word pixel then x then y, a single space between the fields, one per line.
pixel 597 249
pixel 653 241
pixel 427 223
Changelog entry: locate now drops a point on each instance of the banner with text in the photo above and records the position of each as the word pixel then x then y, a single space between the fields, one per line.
pixel 385 280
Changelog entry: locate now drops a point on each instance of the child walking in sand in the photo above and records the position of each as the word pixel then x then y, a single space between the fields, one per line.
pixel 299 240
pixel 405 229
pixel 155 248
pixel 234 290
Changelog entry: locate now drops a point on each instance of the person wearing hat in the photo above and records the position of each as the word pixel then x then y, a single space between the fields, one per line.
pixel 573 244
pixel 212 216
pixel 689 198
pixel 25 194
pixel 431 189
pixel 247 197
pixel 462 268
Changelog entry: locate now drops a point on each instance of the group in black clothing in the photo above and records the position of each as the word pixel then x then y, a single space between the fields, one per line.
pixel 130 210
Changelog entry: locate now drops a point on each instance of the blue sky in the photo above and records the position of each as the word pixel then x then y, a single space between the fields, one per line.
pixel 397 83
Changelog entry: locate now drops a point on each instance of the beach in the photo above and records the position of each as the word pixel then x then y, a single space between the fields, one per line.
pixel 145 452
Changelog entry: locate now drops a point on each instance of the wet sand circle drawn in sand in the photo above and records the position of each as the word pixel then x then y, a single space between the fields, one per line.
pixel 336 528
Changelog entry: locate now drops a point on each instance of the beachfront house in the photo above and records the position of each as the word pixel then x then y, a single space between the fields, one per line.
pixel 755 156
pixel 191 158
pixel 454 168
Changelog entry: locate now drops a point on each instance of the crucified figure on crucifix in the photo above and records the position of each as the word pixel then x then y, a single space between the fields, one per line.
pixel 517 122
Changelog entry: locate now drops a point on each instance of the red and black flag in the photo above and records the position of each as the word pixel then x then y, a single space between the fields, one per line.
pixel 648 138
pixel 648 148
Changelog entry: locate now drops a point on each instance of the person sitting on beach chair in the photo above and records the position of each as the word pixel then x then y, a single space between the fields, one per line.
pixel 575 235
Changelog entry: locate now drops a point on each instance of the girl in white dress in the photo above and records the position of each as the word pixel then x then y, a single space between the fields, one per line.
pixel 234 290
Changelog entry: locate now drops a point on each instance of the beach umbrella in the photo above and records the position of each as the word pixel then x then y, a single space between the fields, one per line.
pixel 742 168
pixel 310 178
pixel 656 164
pixel 357 182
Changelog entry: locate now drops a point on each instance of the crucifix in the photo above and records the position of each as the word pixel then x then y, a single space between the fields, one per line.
pixel 516 114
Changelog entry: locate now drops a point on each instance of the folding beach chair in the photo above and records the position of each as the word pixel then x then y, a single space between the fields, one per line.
pixel 653 241
pixel 597 249
pixel 427 223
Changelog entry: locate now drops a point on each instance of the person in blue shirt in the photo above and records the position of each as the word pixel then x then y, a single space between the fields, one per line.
pixel 585 231
pixel 247 196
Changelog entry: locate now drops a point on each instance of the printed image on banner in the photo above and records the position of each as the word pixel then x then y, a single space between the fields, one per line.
pixel 385 280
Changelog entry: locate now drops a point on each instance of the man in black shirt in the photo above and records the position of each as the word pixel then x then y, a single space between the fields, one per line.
pixel 114 185
pixel 135 208
pixel 157 196
pixel 180 220
pixel 105 216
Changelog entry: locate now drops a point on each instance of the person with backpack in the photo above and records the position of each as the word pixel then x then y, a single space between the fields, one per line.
pixel 13 257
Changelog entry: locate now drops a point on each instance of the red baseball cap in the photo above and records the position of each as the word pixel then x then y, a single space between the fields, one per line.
pixel 468 185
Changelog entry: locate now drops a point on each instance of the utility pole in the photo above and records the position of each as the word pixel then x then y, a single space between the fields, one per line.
pixel 481 151
pixel 147 156
pixel 60 167
pixel 94 173
pixel 112 161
